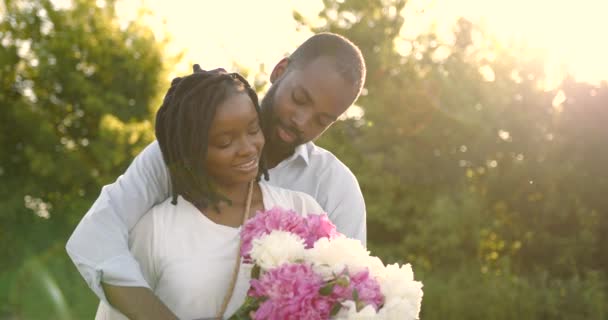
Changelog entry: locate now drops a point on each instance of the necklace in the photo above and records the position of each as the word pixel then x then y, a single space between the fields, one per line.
pixel 237 266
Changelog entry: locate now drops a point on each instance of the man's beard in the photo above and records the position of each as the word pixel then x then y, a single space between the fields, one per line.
pixel 270 123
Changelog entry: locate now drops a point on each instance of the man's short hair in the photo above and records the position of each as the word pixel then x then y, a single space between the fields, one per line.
pixel 346 56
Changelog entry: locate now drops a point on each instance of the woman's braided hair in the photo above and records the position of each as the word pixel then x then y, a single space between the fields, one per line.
pixel 182 131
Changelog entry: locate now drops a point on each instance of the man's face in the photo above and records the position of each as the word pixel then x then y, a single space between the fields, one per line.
pixel 304 102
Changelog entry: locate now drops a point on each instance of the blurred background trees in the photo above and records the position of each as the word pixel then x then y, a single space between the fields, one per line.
pixel 77 95
pixel 489 184
pixel 487 181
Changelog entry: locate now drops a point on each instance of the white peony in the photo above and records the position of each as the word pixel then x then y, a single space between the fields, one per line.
pixel 397 284
pixel 278 247
pixel 330 256
pixel 399 309
pixel 375 266
pixel 349 312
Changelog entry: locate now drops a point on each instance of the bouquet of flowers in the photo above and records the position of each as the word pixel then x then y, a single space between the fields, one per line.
pixel 304 269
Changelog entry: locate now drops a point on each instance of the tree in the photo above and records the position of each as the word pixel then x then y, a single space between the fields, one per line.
pixel 78 92
pixel 473 171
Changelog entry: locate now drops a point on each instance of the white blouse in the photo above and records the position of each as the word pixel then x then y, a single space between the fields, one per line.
pixel 188 259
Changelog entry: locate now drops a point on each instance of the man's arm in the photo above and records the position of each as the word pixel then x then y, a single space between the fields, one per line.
pixel 137 302
pixel 99 245
pixel 340 195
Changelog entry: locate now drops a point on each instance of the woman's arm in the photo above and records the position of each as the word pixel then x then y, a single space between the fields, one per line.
pixel 137 303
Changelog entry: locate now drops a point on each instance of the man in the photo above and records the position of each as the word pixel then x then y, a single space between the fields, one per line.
pixel 310 90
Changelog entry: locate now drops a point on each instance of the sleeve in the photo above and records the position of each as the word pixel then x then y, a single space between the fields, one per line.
pixel 143 244
pixel 340 195
pixel 99 244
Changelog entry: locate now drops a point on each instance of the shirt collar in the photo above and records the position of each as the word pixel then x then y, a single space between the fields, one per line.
pixel 301 151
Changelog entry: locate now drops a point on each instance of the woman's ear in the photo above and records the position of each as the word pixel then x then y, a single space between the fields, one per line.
pixel 279 70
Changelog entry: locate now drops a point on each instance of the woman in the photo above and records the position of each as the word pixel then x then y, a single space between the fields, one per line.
pixel 208 129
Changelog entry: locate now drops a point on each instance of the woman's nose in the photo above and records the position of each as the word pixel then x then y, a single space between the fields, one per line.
pixel 248 147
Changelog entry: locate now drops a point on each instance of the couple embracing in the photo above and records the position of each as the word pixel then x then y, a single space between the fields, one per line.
pixel 162 241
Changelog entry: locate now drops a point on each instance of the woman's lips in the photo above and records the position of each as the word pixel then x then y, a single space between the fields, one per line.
pixel 249 165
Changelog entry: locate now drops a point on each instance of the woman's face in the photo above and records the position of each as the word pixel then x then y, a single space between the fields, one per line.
pixel 235 142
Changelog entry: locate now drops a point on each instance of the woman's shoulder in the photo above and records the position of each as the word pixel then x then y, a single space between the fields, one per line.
pixel 285 193
pixel 160 222
pixel 290 199
pixel 165 213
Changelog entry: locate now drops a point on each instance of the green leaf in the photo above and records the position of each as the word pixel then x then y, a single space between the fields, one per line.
pixel 243 312
pixel 343 281
pixel 255 272
pixel 327 289
pixel 335 309
pixel 355 295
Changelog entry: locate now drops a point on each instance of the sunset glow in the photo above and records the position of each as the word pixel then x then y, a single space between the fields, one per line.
pixel 253 33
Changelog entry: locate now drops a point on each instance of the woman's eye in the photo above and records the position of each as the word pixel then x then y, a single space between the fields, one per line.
pixel 254 130
pixel 222 144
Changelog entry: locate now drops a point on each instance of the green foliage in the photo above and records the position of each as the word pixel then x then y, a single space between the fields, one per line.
pixel 467 295
pixel 78 91
pixel 490 185
pixel 467 163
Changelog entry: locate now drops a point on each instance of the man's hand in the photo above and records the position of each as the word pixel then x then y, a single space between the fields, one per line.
pixel 137 303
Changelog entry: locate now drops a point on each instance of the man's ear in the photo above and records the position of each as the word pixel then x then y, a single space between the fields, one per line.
pixel 279 70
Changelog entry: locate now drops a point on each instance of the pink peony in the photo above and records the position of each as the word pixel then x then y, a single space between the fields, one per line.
pixel 291 291
pixel 368 290
pixel 266 221
pixel 319 226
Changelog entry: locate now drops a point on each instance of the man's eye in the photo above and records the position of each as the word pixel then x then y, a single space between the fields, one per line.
pixel 322 121
pixel 297 99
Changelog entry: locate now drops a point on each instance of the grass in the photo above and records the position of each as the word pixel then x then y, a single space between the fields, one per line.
pixel 46 286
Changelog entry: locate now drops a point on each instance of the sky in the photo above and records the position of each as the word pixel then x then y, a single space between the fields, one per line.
pixel 217 33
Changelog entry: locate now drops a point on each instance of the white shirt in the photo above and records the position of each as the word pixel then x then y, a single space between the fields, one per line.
pixel 188 259
pixel 99 245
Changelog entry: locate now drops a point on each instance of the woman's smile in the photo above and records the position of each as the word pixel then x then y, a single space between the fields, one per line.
pixel 248 166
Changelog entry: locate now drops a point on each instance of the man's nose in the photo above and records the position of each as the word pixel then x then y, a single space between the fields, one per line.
pixel 300 119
